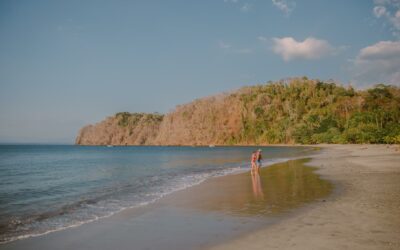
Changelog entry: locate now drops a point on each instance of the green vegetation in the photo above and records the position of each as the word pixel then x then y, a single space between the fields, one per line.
pixel 298 110
pixel 131 119
pixel 309 111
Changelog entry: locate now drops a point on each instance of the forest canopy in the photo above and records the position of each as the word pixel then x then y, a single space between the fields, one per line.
pixel 308 111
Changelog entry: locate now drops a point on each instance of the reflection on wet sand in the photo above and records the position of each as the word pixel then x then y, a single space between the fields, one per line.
pixel 275 189
pixel 257 185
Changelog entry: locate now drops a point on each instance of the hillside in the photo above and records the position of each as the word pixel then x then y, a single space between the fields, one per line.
pixel 122 129
pixel 293 111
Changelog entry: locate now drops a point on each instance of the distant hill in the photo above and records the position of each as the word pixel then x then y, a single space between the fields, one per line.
pixel 293 111
pixel 122 129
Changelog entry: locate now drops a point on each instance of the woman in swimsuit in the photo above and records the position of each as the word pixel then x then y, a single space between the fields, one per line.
pixel 254 157
pixel 259 158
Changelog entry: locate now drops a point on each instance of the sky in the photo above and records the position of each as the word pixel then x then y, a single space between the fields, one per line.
pixel 66 64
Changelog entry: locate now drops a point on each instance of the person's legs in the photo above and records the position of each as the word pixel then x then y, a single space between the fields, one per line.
pixel 253 166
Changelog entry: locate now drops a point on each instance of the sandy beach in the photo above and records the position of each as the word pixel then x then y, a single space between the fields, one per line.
pixel 288 207
pixel 363 212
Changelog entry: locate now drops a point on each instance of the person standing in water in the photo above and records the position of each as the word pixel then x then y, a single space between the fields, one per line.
pixel 254 157
pixel 259 159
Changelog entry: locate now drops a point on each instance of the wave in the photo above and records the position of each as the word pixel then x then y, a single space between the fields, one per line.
pixel 106 204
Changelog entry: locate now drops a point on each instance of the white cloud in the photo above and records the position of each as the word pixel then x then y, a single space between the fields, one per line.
pixel 310 48
pixel 224 45
pixel 389 10
pixel 379 11
pixel 380 50
pixel 396 20
pixel 378 63
pixel 286 6
pixel 246 7
pixel 395 3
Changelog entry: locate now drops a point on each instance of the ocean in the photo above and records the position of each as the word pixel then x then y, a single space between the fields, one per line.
pixel 46 188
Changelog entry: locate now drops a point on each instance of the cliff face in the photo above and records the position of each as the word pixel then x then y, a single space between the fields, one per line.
pixel 211 120
pixel 299 110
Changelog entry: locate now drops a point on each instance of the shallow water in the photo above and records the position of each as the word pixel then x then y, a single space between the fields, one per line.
pixel 45 187
pixel 204 215
pixel 276 189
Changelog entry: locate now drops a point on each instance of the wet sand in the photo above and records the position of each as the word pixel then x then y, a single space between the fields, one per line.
pixel 363 212
pixel 216 211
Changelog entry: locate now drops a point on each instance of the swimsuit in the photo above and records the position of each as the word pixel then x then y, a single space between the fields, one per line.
pixel 253 158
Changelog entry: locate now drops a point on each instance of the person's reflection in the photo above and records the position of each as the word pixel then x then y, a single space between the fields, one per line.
pixel 257 186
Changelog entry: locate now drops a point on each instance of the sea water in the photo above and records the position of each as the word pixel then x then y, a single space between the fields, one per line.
pixel 45 188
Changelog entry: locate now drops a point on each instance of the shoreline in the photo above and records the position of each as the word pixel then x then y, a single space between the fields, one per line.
pixel 363 212
pixel 237 170
pixel 182 206
pixel 290 230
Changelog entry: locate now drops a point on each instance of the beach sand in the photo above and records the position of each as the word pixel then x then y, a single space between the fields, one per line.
pixel 363 213
pixel 288 207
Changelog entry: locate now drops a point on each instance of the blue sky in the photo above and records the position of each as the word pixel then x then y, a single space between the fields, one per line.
pixel 64 64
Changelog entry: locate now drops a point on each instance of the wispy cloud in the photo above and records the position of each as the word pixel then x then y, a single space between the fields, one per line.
pixel 246 7
pixel 262 39
pixel 224 45
pixel 379 11
pixel 378 63
pixel 311 48
pixel 389 11
pixel 243 7
pixel 69 27
pixel 243 51
pixel 285 6
pixel 395 3
pixel 230 49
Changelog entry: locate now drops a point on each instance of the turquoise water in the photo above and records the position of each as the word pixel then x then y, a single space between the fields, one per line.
pixel 44 188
